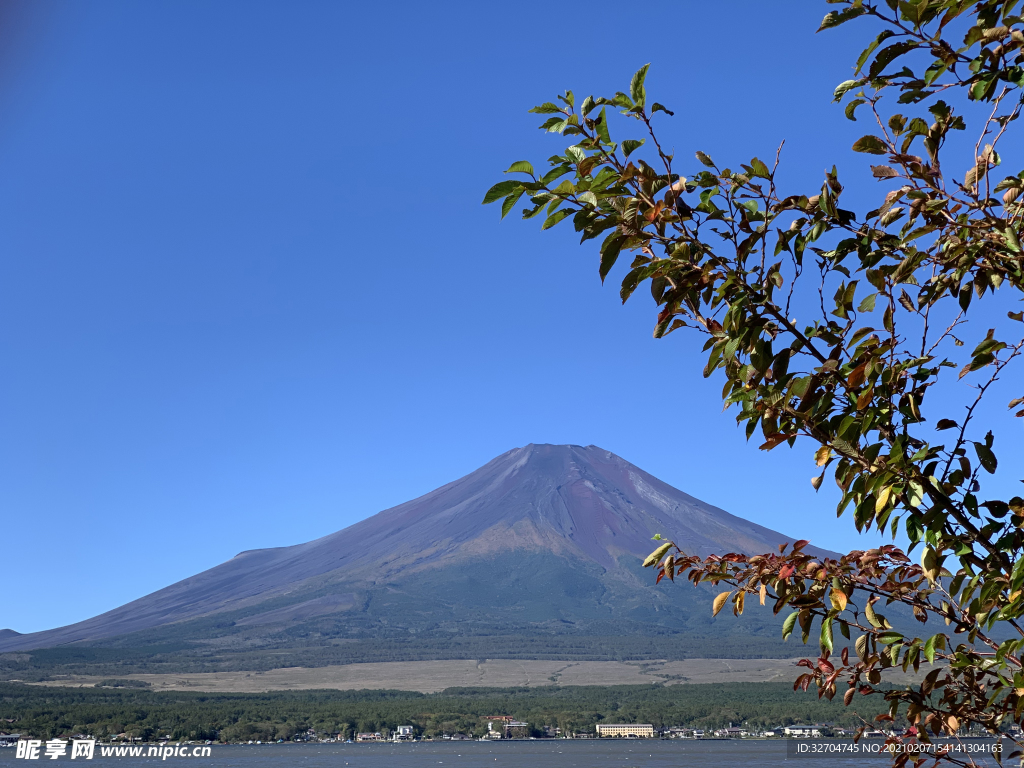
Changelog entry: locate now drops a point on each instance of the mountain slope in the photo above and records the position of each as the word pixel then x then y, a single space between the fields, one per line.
pixel 542 539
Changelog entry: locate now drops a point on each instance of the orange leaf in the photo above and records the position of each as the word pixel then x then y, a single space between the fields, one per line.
pixel 857 376
pixel 719 603
pixel 838 599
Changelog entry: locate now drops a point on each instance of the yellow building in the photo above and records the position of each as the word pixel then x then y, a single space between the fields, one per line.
pixel 620 730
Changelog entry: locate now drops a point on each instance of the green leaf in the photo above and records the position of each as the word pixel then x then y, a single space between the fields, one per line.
pixel 789 624
pixel 705 159
pixel 564 189
pixel 1011 240
pixel 520 166
pixel 851 109
pixel 546 108
pixel 629 146
pixel 500 190
pixel 934 71
pixel 657 554
pixel 656 107
pixel 835 18
pixel 845 87
pixel 983 88
pixel 610 253
pixel 887 320
pixel 825 638
pixel 889 54
pixel 872 617
pixel 510 202
pixel 871 145
pixel 868 304
pixel 601 126
pixel 894 653
pixel 890 216
pixel 890 637
pixel 915 493
pixel 882 37
pixel 986 457
pixel 759 168
pixel 556 217
pixel 636 86
pixel 619 100
pixel 555 173
pixel 861 646
pixel 929 649
pixel 529 213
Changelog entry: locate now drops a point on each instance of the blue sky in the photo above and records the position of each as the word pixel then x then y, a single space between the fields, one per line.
pixel 249 296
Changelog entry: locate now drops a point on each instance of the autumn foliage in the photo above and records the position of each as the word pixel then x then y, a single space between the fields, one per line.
pixel 887 370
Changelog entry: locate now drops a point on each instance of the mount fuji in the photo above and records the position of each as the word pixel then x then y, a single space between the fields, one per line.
pixel 534 555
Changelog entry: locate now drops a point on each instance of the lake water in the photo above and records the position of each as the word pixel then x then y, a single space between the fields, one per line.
pixel 509 754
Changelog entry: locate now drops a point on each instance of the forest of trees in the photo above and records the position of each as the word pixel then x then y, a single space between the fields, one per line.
pixel 45 712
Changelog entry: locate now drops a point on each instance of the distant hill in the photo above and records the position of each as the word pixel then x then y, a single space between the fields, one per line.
pixel 536 554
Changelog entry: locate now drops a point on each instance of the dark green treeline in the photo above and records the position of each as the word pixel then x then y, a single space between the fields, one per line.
pixel 46 711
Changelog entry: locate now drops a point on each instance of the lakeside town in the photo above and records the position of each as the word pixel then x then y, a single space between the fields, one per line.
pixel 501 727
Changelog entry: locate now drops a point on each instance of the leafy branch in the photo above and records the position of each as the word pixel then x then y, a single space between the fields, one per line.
pixel 723 252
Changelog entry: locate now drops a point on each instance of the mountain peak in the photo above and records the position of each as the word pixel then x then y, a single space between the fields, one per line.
pixel 578 504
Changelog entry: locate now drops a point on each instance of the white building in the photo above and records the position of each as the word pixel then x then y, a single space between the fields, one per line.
pixel 803 731
pixel 731 733
pixel 679 733
pixel 626 730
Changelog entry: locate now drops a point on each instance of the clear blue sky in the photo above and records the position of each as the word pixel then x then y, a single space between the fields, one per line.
pixel 249 296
